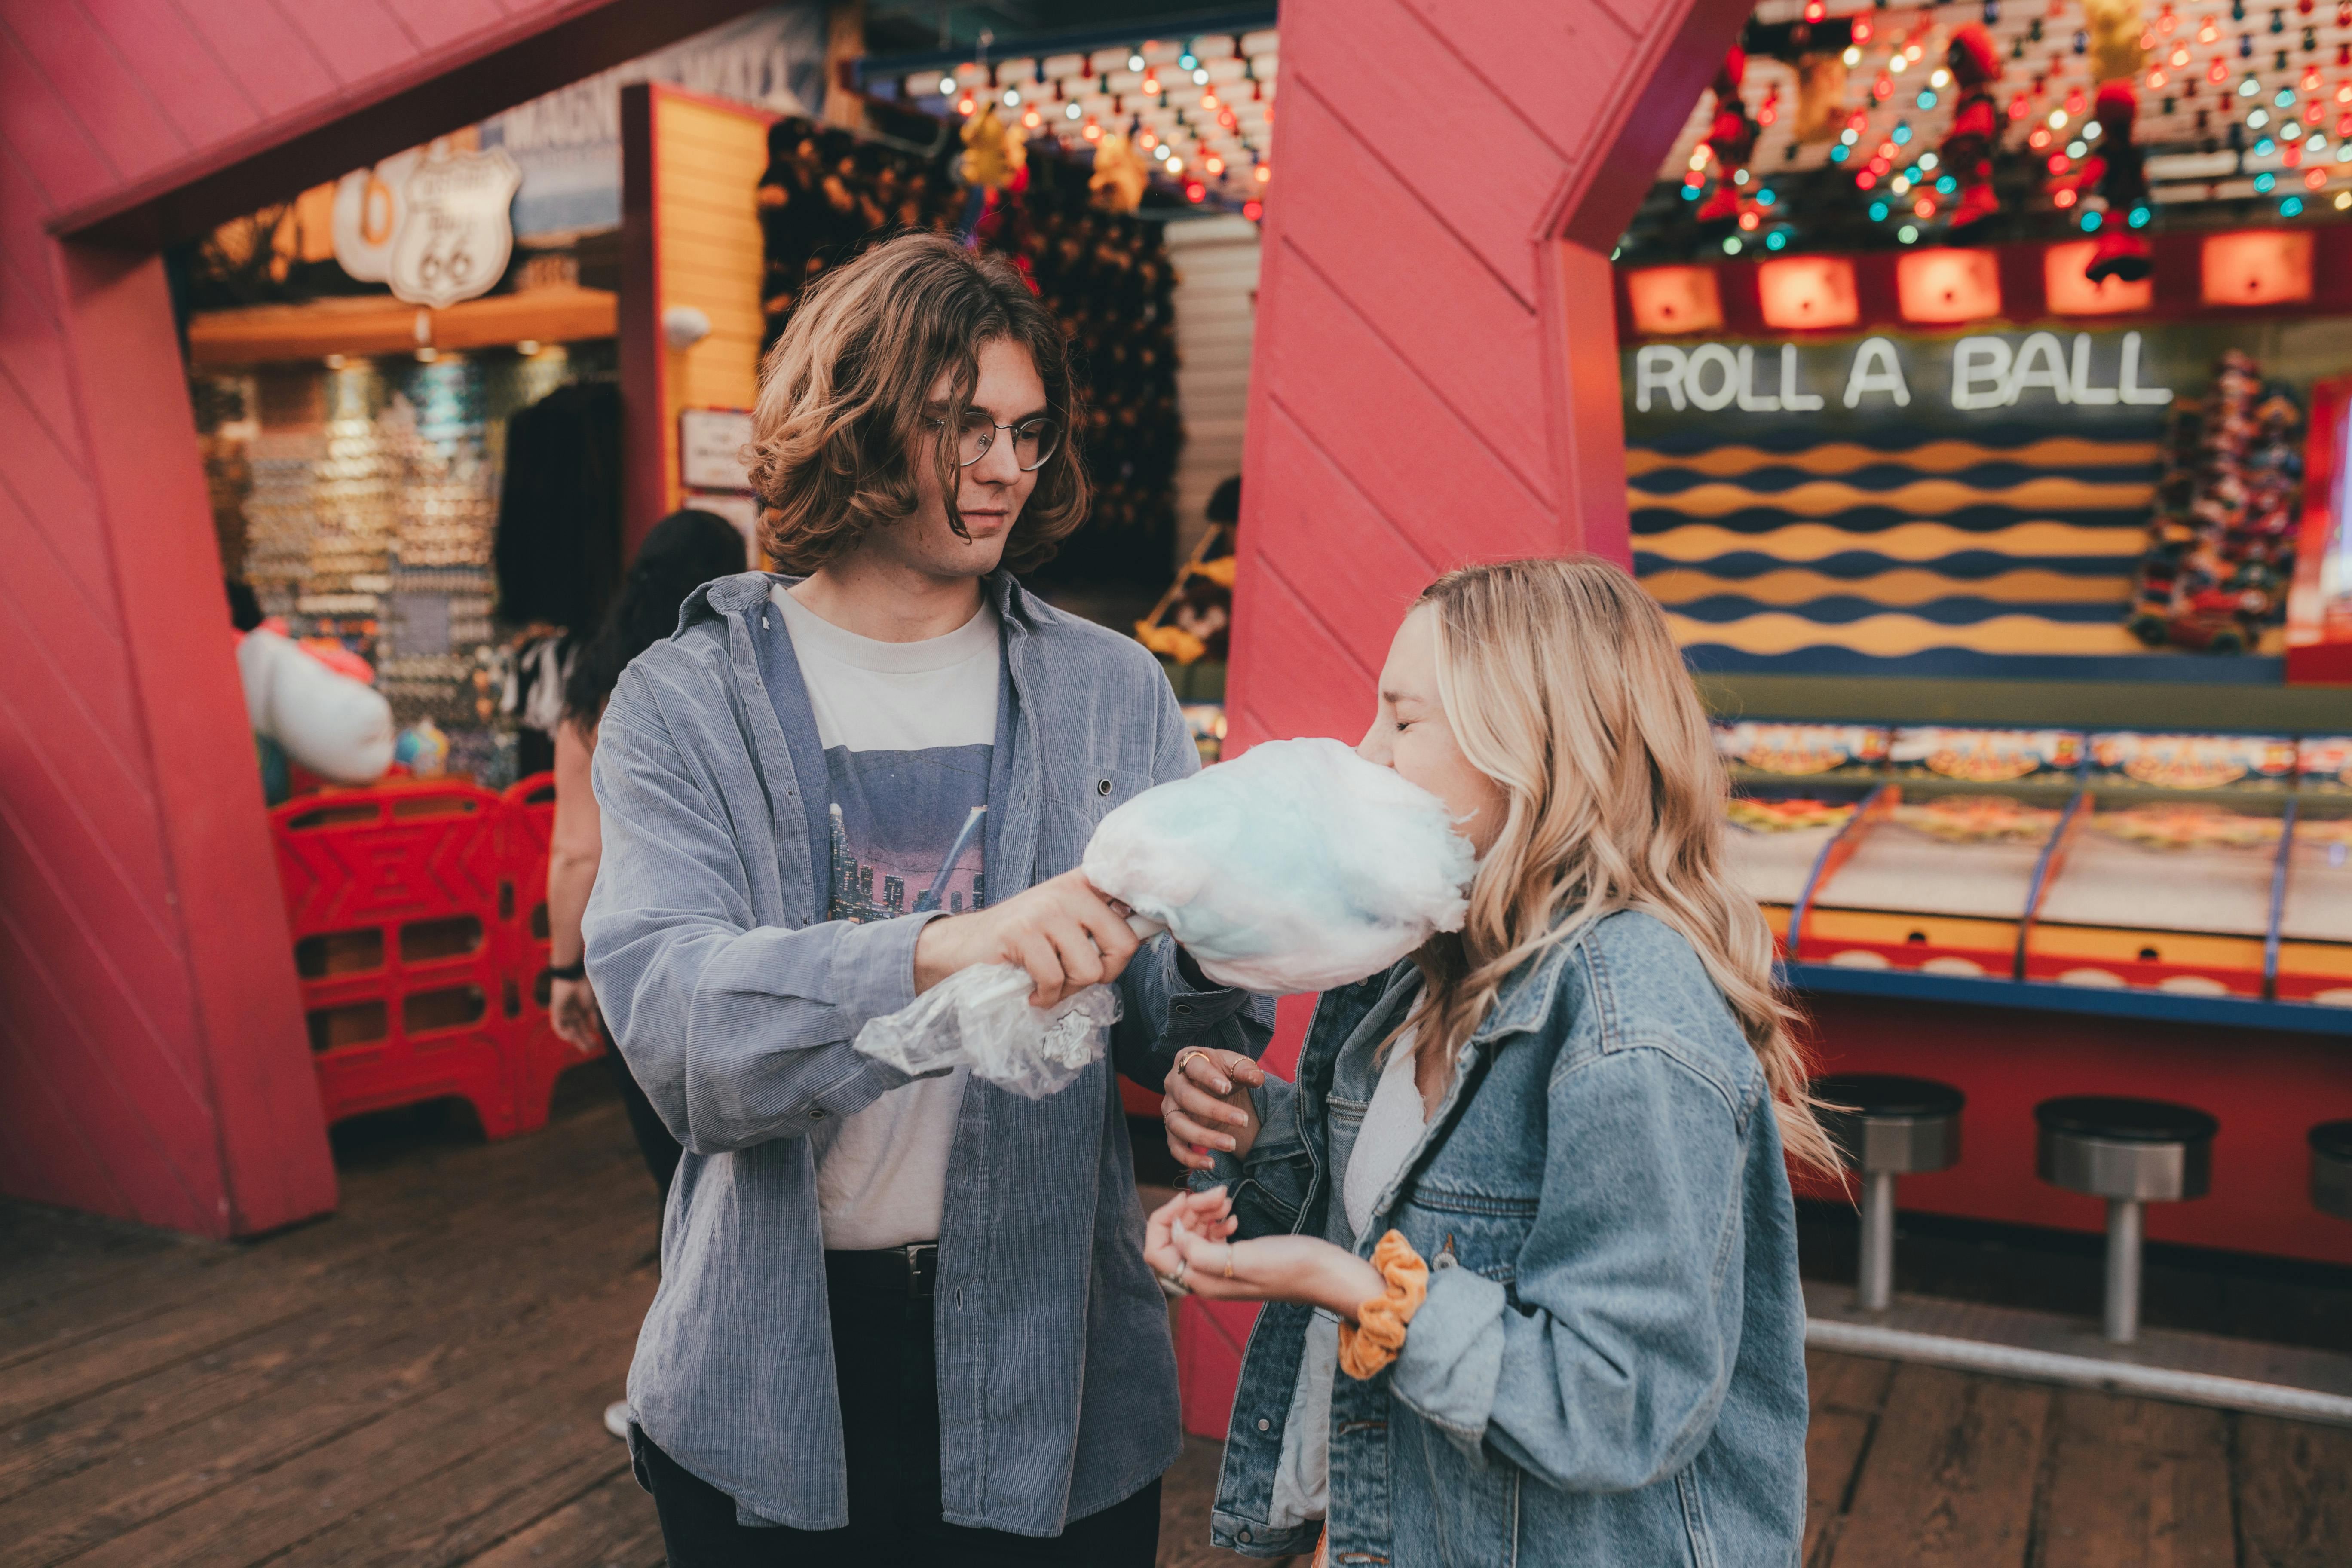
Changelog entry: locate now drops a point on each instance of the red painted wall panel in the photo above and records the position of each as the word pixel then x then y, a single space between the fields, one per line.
pixel 1435 377
pixel 191 88
pixel 154 1062
pixel 65 47
pixel 1455 323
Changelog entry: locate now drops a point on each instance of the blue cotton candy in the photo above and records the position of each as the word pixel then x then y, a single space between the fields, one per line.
pixel 1297 867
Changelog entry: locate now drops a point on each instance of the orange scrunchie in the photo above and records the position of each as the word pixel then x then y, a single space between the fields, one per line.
pixel 1372 1340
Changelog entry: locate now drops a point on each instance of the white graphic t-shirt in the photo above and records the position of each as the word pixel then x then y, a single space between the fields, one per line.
pixel 908 730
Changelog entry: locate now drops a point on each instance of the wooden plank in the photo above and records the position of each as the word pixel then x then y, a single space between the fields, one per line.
pixel 565 1454
pixel 47 1251
pixel 1950 1484
pixel 1480 353
pixel 275 66
pixel 56 155
pixel 491 1407
pixel 354 41
pixel 2135 1484
pixel 1348 61
pixel 441 24
pixel 388 1316
pixel 1854 1382
pixel 191 88
pixel 112 1098
pixel 1391 434
pixel 48 491
pixel 269 1164
pixel 612 1526
pixel 383 1235
pixel 1835 1442
pixel 1846 1393
pixel 1382 568
pixel 1325 684
pixel 2295 1493
pixel 67 46
pixel 1558 66
pixel 58 645
pixel 208 1473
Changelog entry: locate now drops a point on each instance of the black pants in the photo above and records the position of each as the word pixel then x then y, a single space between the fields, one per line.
pixel 890 1429
pixel 661 1150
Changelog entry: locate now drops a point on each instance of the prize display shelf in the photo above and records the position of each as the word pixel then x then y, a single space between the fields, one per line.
pixel 2043 849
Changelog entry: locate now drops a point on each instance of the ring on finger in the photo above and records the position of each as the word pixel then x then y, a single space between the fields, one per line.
pixel 1229 1260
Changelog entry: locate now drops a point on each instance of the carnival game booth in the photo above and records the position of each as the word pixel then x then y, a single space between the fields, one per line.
pixel 1983 448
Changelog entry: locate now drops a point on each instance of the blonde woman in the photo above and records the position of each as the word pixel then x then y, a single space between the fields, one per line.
pixel 1523 1219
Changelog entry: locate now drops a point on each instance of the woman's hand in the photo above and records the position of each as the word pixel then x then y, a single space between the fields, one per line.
pixel 1187 1241
pixel 1066 935
pixel 571 1013
pixel 1207 1105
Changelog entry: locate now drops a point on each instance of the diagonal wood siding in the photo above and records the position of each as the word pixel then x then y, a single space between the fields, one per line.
pixel 1435 378
pixel 153 1058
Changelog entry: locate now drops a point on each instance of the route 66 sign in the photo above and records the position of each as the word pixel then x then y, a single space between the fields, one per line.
pixel 455 230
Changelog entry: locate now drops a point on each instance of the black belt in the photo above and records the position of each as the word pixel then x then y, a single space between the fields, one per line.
pixel 907 1271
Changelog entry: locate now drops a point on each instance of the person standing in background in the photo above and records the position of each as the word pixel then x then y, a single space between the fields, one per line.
pixel 683 551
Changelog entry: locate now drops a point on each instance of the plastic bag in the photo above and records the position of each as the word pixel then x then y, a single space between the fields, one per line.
pixel 1297 867
pixel 981 1017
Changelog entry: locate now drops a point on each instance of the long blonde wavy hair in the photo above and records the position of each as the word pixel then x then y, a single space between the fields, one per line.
pixel 1562 685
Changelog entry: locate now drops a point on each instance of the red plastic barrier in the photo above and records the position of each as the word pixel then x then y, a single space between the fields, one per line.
pixel 394 893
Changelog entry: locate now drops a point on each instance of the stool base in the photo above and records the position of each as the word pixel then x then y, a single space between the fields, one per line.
pixel 1874 1283
pixel 2125 1216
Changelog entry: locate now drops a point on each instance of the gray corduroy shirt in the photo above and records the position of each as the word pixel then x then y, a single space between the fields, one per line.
pixel 734 1002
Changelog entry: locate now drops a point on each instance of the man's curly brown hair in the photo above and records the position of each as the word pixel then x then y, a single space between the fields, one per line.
pixel 840 419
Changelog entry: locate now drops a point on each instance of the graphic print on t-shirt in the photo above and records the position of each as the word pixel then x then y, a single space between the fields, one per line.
pixel 909 831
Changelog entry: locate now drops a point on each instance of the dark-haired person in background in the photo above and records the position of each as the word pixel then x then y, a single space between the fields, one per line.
pixel 901 1321
pixel 683 551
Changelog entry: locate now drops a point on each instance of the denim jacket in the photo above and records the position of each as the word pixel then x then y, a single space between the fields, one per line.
pixel 734 1001
pixel 1609 1370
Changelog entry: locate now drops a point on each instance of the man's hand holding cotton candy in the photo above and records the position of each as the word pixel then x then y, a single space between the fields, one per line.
pixel 1061 932
pixel 1297 867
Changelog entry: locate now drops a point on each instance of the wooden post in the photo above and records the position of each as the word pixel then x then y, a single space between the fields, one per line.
pixel 1434 379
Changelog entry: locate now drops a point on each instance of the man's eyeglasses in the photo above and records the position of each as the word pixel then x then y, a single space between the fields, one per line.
pixel 1034 440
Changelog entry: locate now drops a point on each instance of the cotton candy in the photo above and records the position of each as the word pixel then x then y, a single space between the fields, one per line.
pixel 1297 867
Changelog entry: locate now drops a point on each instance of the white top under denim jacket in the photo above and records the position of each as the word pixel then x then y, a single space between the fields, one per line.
pixel 1393 1129
pixel 1609 1369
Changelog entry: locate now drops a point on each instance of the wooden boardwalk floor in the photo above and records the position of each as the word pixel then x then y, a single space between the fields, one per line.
pixel 419 1379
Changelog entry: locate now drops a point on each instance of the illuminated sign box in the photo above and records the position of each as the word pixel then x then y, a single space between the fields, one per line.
pixel 1943 287
pixel 1808 292
pixel 2069 293
pixel 2260 267
pixel 1671 299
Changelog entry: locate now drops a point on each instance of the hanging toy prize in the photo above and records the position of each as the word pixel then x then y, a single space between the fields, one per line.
pixel 1966 149
pixel 1731 137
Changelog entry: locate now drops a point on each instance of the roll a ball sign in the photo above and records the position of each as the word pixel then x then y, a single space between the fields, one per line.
pixel 1878 375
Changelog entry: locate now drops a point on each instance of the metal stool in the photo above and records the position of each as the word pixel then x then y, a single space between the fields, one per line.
pixel 1896 1126
pixel 2130 1152
pixel 2331 1168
